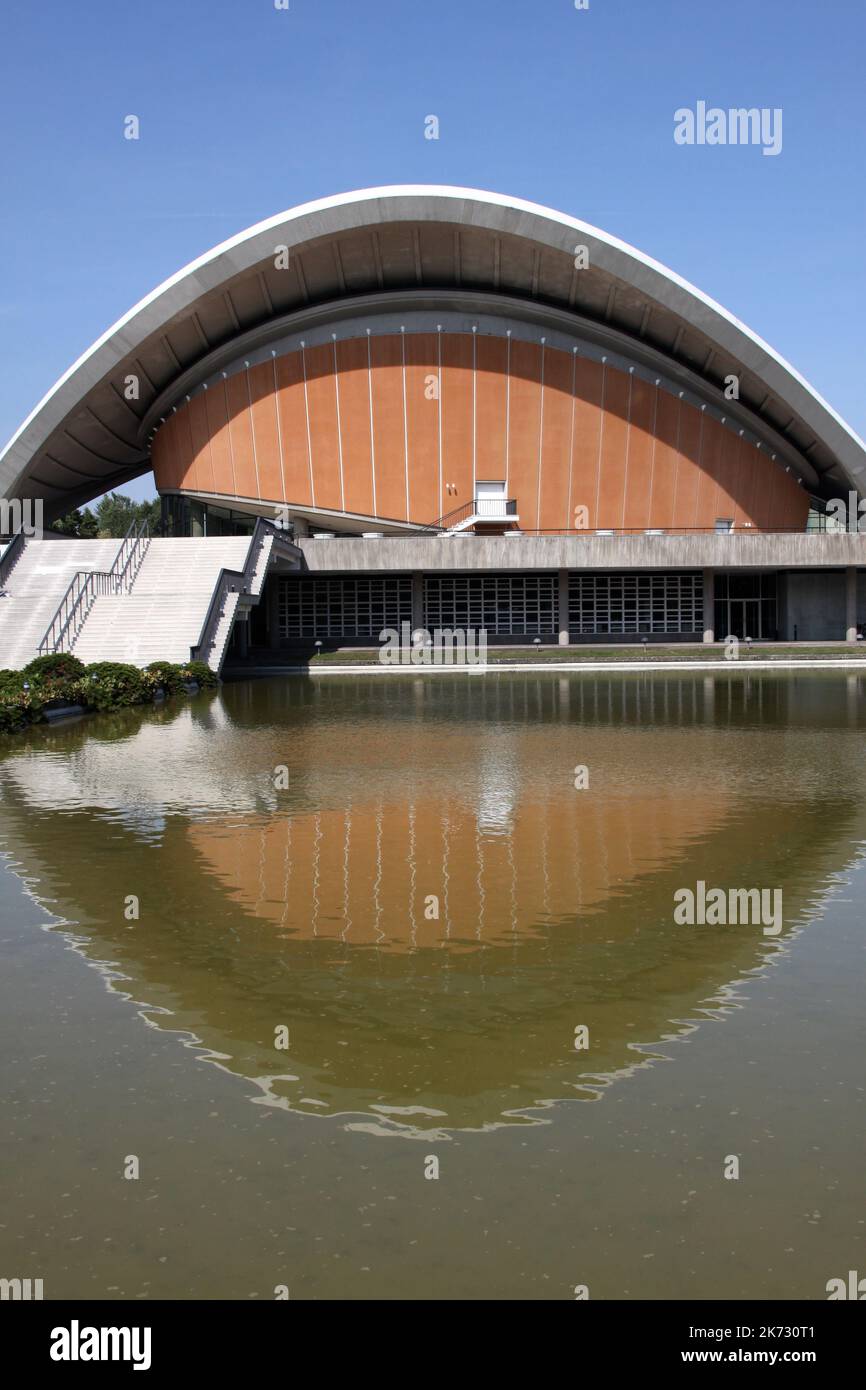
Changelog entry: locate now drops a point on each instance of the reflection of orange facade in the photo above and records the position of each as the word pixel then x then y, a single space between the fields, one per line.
pixel 365 875
pixel 403 427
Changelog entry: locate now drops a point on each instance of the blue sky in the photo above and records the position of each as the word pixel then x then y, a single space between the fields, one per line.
pixel 246 110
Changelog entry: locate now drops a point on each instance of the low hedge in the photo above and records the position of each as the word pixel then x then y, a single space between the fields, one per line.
pixel 56 666
pixel 199 672
pixel 104 685
pixel 164 675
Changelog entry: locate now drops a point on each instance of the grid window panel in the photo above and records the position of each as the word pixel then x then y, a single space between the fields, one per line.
pixel 359 607
pixel 504 605
pixel 620 604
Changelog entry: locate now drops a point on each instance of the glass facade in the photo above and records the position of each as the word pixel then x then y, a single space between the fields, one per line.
pixel 184 516
pixel 503 605
pixel 361 607
pixel 623 604
pixel 746 606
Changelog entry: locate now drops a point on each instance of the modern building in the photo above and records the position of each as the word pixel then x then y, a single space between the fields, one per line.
pixel 456 410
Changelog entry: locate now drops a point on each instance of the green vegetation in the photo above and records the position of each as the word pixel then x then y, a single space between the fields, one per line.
pixel 200 672
pixel 165 675
pixel 113 516
pixel 61 679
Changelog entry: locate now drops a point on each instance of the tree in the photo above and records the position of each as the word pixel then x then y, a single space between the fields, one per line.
pixel 113 517
pixel 81 524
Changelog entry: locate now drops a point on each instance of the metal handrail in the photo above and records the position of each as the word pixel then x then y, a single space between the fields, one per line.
pixel 10 555
pixel 476 507
pixel 234 581
pixel 88 585
pixel 424 532
pixel 137 552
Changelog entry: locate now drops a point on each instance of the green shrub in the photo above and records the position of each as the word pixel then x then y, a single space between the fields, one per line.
pixel 163 673
pixel 56 666
pixel 17 705
pixel 112 684
pixel 199 671
pixel 12 718
pixel 105 685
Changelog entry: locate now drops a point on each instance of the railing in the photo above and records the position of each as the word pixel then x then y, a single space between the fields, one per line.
pixel 438 529
pixel 495 508
pixel 88 585
pixel 130 555
pixel 235 581
pixel 10 555
pixel 487 508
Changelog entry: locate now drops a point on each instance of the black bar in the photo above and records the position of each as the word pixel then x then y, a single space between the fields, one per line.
pixel 258 1336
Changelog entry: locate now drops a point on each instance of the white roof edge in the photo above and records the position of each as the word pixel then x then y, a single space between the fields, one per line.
pixel 115 337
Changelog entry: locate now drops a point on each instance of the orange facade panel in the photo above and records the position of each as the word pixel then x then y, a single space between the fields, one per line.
pixel 556 417
pixel 265 428
pixel 458 431
pixel 586 443
pixel 688 466
pixel 707 492
pixel 639 456
pixel 524 431
pixel 321 389
pixel 165 460
pixel 220 439
pixel 399 426
pixel 294 430
pixel 357 451
pixel 422 426
pixel 491 388
pixel 665 460
pixel 612 476
pixel 386 355
pixel 198 424
pixel 241 436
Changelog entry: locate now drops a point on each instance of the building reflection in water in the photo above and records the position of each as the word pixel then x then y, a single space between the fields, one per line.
pixel 431 906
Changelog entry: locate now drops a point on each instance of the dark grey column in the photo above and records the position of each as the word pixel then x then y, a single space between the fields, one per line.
pixel 851 604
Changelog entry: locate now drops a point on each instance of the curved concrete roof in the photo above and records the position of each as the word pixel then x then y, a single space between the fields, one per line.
pixel 85 437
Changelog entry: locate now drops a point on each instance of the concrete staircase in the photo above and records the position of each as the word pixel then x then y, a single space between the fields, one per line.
pixel 34 587
pixel 162 617
pixel 163 614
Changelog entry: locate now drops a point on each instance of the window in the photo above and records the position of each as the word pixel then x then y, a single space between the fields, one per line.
pixel 503 605
pixel 343 607
pixel 635 603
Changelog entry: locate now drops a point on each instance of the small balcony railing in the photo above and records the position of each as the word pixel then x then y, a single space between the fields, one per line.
pixel 480 509
pixel 495 508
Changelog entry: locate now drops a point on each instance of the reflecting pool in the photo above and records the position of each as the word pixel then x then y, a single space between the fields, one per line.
pixel 335 925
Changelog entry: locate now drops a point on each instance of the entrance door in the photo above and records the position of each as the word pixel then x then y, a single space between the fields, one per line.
pixel 745 618
pixel 490 499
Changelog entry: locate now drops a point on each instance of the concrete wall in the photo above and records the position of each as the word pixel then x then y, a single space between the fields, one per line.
pixel 469 552
pixel 814 606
